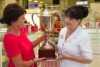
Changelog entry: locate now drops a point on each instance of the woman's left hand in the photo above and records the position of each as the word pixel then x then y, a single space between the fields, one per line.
pixel 62 56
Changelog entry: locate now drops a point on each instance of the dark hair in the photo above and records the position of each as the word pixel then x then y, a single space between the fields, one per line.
pixel 77 12
pixel 1 20
pixel 12 12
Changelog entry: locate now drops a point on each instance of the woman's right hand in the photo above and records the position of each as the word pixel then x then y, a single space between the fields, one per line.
pixel 39 59
pixel 45 36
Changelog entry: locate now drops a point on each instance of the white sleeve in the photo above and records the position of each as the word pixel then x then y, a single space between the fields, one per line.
pixel 85 47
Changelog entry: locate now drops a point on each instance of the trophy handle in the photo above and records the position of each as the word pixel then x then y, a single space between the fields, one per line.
pixel 33 17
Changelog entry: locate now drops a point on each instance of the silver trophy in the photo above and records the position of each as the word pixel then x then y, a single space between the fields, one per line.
pixel 45 21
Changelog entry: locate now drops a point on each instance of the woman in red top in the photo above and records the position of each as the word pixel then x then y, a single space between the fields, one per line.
pixel 18 47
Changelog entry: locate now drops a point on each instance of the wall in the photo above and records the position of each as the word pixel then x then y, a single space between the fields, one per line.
pixel 47 1
pixel 2 2
pixel 9 1
pixel 73 2
pixel 0 54
pixel 95 7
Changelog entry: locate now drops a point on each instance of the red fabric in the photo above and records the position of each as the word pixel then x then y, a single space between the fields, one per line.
pixel 15 45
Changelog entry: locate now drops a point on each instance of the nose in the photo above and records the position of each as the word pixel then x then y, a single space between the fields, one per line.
pixel 68 20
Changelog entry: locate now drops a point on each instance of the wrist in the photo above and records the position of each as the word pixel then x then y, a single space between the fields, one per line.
pixel 41 38
pixel 34 61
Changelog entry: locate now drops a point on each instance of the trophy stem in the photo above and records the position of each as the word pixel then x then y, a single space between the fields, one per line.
pixel 47 46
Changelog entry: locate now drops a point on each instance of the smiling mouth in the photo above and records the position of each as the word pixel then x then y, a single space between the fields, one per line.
pixel 68 24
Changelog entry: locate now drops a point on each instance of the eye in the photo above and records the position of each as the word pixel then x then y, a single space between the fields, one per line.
pixel 25 21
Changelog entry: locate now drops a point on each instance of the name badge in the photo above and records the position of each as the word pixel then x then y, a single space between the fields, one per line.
pixel 61 36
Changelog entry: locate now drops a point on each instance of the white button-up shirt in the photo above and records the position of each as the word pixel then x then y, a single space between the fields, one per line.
pixel 78 44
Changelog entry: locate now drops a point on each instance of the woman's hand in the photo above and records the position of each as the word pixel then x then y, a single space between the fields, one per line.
pixel 39 59
pixel 80 59
pixel 45 36
pixel 62 56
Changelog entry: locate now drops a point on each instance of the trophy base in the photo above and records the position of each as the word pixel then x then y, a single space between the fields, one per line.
pixel 47 53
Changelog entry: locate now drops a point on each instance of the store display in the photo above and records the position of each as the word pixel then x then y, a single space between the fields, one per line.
pixel 57 23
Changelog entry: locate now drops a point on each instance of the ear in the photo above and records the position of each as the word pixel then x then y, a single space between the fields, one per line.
pixel 13 22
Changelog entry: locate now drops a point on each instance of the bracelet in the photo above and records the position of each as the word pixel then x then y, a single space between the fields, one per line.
pixel 32 63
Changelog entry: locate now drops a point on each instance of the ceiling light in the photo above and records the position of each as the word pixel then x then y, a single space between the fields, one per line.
pixel 41 1
pixel 29 0
pixel 35 1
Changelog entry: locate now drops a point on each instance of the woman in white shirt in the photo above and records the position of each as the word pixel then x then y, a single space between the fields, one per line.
pixel 74 44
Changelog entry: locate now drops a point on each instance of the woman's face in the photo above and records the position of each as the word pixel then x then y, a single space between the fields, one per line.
pixel 71 23
pixel 20 22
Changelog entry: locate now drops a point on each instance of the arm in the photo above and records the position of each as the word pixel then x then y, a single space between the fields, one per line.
pixel 80 59
pixel 53 45
pixel 74 58
pixel 43 37
pixel 18 62
pixel 37 41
